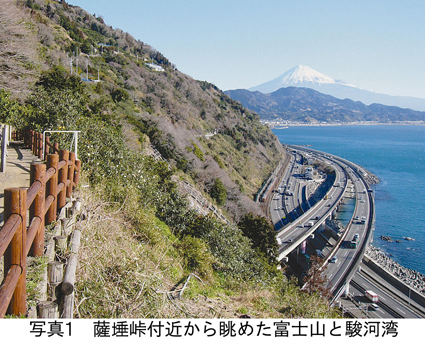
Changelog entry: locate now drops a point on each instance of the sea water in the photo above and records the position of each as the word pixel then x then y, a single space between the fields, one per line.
pixel 396 155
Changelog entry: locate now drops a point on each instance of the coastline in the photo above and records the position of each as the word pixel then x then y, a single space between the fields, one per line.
pixel 380 177
pixel 412 278
pixel 278 125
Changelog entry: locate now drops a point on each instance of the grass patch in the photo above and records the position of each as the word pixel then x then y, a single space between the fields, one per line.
pixel 36 268
pixel 121 274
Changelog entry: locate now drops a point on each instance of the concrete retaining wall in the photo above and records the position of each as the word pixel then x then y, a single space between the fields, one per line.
pixel 401 286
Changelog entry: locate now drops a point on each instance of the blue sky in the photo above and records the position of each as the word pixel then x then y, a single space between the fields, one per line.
pixel 376 45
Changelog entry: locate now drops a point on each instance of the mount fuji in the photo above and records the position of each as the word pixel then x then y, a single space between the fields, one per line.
pixel 304 76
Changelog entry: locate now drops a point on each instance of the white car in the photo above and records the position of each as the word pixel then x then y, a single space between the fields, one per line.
pixel 374 306
pixel 334 260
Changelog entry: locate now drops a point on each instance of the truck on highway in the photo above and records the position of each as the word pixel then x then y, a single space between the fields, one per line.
pixel 372 296
pixel 353 243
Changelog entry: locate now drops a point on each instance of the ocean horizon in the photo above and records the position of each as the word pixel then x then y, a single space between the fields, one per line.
pixel 396 155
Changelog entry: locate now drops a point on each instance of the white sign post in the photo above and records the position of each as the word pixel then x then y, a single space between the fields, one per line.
pixel 4 142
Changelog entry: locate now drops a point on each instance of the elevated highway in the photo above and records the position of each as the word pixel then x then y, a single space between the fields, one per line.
pixel 343 265
pixel 293 234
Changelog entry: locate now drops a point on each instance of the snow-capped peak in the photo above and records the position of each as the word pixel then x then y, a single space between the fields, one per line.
pixel 302 74
pixel 299 76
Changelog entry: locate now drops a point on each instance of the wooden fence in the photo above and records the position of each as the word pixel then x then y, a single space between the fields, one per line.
pixel 51 183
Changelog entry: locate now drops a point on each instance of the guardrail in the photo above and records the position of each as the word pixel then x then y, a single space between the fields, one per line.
pixel 50 185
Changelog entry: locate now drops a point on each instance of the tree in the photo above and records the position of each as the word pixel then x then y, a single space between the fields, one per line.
pixel 18 50
pixel 218 192
pixel 197 151
pixel 53 109
pixel 58 78
pixel 86 46
pixel 8 107
pixel 119 94
pixel 262 234
pixel 196 256
pixel 314 279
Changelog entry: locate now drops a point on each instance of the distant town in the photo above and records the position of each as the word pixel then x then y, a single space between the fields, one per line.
pixel 281 124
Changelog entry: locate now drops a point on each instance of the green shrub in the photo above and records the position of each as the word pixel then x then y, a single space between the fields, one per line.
pixel 197 151
pixel 119 94
pixel 196 255
pixel 9 108
pixel 234 255
pixel 218 161
pixel 262 234
pixel 218 192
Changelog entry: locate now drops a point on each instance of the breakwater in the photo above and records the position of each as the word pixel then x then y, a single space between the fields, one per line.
pixel 411 278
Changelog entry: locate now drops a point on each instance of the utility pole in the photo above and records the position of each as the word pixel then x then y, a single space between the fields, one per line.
pixel 70 62
pixel 76 60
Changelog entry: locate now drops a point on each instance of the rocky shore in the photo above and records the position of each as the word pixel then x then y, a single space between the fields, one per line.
pixel 371 179
pixel 410 277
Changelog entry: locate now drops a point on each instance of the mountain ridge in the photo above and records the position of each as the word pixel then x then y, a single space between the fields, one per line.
pixel 305 105
pixel 304 76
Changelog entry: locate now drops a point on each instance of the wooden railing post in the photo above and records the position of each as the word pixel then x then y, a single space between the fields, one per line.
pixel 15 200
pixel 63 177
pixel 71 172
pixel 40 146
pixel 28 139
pixel 33 136
pixel 51 187
pixel 38 173
pixel 56 148
pixel 36 143
pixel 46 147
pixel 77 172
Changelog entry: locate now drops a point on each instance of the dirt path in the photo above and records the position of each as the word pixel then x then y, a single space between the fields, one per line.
pixel 17 170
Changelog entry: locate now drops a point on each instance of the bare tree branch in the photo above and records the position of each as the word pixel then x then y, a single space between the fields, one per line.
pixel 18 49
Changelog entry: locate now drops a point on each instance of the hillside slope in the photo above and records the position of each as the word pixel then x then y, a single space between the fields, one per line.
pixel 141 238
pixel 157 104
